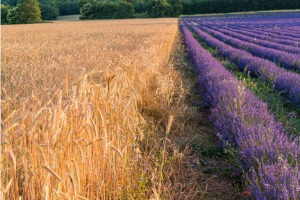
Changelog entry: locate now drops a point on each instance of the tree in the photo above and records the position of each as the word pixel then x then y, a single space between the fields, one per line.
pixel 188 6
pixel 125 10
pixel 4 12
pixel 159 8
pixel 108 10
pixel 176 8
pixel 86 11
pixel 10 2
pixel 13 16
pixel 49 9
pixel 83 2
pixel 69 8
pixel 49 12
pixel 29 11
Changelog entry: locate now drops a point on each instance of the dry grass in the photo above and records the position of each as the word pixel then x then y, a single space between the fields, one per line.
pixel 86 111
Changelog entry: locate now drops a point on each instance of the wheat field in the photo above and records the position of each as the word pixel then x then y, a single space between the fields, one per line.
pixel 78 103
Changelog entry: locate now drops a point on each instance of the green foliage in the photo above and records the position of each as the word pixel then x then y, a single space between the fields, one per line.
pixel 106 10
pixel 225 6
pixel 49 9
pixel 140 7
pixel 208 149
pixel 188 6
pixel 4 12
pixel 140 15
pixel 159 8
pixel 12 3
pixel 83 2
pixel 49 12
pixel 13 16
pixel 86 12
pixel 69 8
pixel 122 9
pixel 125 10
pixel 176 8
pixel 29 11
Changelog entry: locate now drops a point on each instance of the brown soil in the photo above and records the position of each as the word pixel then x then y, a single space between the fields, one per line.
pixel 210 172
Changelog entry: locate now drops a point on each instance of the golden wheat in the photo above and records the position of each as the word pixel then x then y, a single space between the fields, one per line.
pixel 73 94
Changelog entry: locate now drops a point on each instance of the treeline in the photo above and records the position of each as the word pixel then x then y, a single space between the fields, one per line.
pixel 225 6
pixel 49 9
pixel 107 10
pixel 92 9
pixel 12 12
pixel 26 11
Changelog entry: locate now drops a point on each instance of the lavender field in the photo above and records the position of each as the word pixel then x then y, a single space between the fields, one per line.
pixel 264 48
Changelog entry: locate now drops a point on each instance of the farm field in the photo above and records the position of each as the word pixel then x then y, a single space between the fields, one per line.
pixel 235 58
pixel 71 95
pixel 201 107
pixel 97 110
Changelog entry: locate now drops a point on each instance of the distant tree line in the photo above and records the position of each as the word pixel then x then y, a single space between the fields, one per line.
pixel 225 6
pixel 26 11
pixel 120 9
pixel 106 10
pixel 99 9
pixel 48 9
pixel 14 11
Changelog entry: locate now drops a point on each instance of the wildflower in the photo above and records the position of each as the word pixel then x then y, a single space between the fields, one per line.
pixel 246 193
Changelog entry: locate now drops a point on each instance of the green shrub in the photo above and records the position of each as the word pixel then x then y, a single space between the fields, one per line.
pixel 107 10
pixel 28 11
pixel 12 3
pixel 13 16
pixel 86 12
pixel 159 8
pixel 125 10
pixel 83 2
pixel 49 12
pixel 176 8
pixel 4 12
pixel 141 15
pixel 69 8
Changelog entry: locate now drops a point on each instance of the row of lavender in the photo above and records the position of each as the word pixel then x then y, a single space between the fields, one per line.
pixel 261 42
pixel 284 81
pixel 287 60
pixel 265 35
pixel 266 18
pixel 274 31
pixel 279 22
pixel 265 152
pixel 286 30
pixel 283 34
